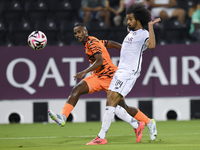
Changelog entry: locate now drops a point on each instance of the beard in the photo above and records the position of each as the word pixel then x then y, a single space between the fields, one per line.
pixel 132 29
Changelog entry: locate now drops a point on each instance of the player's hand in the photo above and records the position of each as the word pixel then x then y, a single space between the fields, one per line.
pixel 155 21
pixel 80 75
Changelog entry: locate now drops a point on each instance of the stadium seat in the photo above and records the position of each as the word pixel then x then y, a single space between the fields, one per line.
pixel 157 32
pixel 66 31
pixel 61 9
pixel 19 32
pixel 11 11
pixel 97 29
pixel 60 5
pixel 32 6
pixel 36 11
pixel 118 34
pixel 3 32
pixel 60 43
pixel 172 31
pixel 75 42
pixel 50 29
pixel 76 5
pixel 183 4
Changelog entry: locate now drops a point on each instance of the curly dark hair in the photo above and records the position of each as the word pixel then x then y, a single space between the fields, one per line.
pixel 140 13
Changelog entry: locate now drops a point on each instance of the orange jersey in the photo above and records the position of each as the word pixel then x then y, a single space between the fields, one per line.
pixel 94 46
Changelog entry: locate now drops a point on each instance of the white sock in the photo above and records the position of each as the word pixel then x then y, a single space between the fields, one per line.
pixel 149 124
pixel 122 114
pixel 107 119
pixel 64 117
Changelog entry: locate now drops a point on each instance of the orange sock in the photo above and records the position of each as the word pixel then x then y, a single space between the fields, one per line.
pixel 67 109
pixel 142 117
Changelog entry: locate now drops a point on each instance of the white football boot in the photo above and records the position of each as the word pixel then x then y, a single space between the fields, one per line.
pixel 57 118
pixel 153 130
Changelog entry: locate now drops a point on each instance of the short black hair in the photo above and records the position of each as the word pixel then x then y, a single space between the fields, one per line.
pixel 79 24
pixel 140 12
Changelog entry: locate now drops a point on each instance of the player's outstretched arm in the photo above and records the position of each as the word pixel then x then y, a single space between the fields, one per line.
pixel 113 44
pixel 151 43
pixel 96 64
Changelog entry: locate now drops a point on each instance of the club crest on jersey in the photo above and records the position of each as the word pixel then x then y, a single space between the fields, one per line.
pixel 134 33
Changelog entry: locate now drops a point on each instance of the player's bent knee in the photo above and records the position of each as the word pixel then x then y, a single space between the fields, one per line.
pixel 110 101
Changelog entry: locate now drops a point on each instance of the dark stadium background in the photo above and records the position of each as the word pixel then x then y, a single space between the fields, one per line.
pixel 18 18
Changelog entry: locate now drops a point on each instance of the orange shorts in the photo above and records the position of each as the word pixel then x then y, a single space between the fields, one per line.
pixel 96 84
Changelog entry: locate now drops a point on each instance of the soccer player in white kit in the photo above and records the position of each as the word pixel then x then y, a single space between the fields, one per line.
pixel 134 44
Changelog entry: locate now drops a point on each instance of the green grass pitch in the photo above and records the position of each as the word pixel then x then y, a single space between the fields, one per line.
pixel 172 135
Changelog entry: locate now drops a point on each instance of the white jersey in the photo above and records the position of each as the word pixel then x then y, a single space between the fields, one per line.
pixel 131 52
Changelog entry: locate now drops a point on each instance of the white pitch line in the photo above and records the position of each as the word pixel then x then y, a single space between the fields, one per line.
pixel 133 134
pixel 24 138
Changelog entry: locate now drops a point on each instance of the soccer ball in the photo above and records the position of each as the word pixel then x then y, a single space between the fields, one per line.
pixel 37 40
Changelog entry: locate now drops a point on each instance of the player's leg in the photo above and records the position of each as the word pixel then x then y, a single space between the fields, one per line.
pixel 121 83
pixel 131 110
pixel 112 100
pixel 87 85
pixel 114 95
pixel 134 112
pixel 79 89
pixel 140 116
pixel 122 111
pixel 137 126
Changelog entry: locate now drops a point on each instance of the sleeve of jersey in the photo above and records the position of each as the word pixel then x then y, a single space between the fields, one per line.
pixel 95 47
pixel 105 42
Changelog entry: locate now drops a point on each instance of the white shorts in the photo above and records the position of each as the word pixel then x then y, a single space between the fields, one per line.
pixel 156 11
pixel 123 82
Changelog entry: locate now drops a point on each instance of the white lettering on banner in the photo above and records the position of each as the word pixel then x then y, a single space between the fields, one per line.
pixel 186 71
pixel 155 63
pixel 32 74
pixel 154 70
pixel 72 68
pixel 173 71
pixel 51 65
